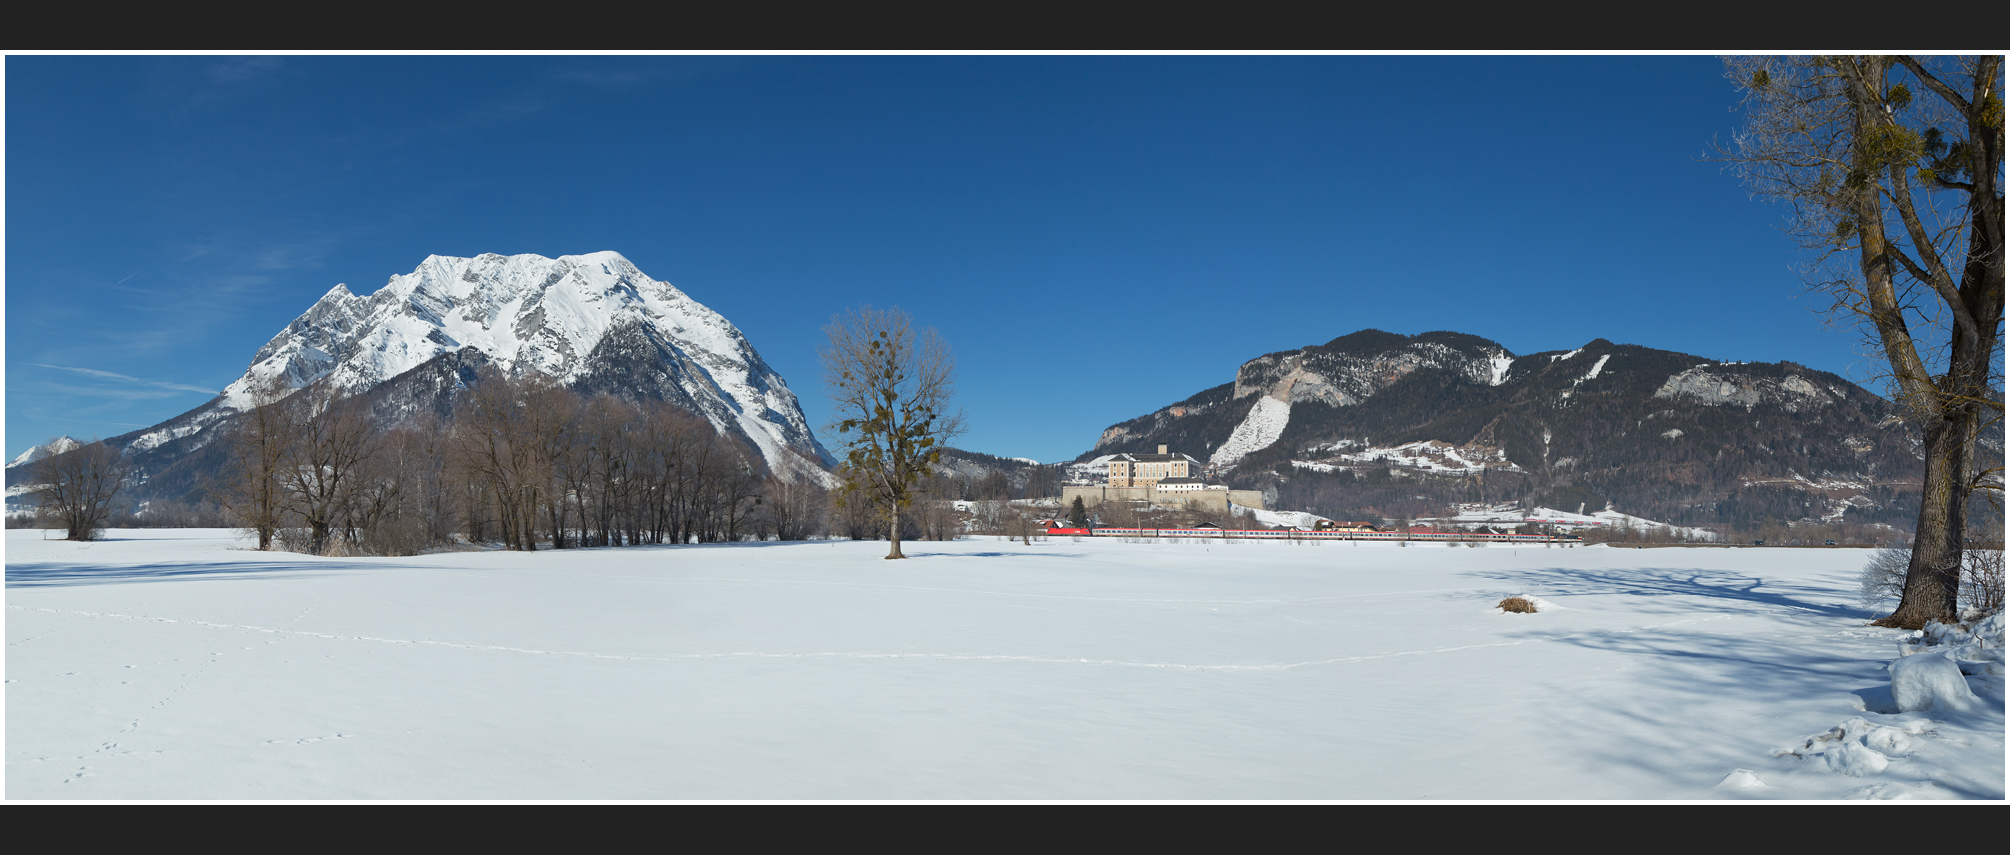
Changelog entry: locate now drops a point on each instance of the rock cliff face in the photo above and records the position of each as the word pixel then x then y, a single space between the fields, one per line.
pixel 1690 439
pixel 1718 387
pixel 1351 369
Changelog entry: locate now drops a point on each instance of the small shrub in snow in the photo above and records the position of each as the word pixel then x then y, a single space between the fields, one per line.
pixel 404 535
pixel 293 540
pixel 1982 580
pixel 1883 578
pixel 1518 605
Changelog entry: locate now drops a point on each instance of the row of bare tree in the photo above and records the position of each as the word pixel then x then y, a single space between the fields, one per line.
pixel 521 462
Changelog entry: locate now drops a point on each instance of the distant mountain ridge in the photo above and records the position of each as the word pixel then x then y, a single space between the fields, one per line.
pixel 1456 417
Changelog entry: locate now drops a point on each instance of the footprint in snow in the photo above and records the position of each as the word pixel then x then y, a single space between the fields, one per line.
pixel 305 740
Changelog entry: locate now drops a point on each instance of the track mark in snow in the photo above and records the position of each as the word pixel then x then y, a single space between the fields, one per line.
pixel 1277 602
pixel 93 614
pixel 957 657
pixel 309 739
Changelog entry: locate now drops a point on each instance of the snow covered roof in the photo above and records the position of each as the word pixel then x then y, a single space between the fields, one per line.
pixel 1154 458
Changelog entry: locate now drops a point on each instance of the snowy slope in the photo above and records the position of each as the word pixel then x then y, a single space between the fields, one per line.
pixel 166 664
pixel 1300 520
pixel 529 313
pixel 1265 422
pixel 1426 456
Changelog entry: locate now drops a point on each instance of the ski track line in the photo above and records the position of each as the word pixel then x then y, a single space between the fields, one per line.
pixel 1271 602
pixel 960 657
pixel 785 582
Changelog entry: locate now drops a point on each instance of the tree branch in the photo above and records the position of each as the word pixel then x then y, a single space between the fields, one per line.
pixel 1935 279
pixel 1945 91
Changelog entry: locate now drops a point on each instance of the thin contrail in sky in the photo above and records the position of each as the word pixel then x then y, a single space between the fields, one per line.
pixel 109 375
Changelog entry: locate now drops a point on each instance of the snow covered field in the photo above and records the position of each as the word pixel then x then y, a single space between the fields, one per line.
pixel 178 665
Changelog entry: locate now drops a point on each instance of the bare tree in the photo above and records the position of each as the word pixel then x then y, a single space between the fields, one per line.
pixel 422 454
pixel 993 486
pixel 251 490
pixel 79 489
pixel 1019 524
pixel 891 386
pixel 549 418
pixel 733 493
pixel 330 439
pixel 936 508
pixel 397 502
pixel 857 515
pixel 1044 482
pixel 795 509
pixel 606 481
pixel 497 450
pixel 987 517
pixel 1897 192
pixel 1118 513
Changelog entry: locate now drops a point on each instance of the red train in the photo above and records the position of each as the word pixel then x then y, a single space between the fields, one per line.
pixel 1262 534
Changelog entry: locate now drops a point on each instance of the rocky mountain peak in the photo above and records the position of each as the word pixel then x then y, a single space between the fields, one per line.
pixel 46 450
pixel 593 322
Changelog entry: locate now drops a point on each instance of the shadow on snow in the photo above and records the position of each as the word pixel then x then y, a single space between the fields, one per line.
pixel 47 575
pixel 1708 585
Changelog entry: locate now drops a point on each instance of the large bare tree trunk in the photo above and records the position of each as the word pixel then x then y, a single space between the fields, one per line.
pixel 894 534
pixel 1933 576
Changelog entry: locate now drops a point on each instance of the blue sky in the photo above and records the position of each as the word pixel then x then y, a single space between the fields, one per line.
pixel 165 216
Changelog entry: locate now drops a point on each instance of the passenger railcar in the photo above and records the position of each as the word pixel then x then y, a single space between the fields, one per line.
pixel 1262 534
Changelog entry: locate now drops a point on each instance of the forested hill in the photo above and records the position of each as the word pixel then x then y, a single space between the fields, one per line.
pixel 1406 425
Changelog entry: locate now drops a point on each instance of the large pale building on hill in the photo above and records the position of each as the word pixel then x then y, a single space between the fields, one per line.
pixel 1145 470
pixel 1165 479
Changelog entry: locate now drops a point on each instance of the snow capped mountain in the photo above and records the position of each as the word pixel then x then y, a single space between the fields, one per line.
pixel 52 448
pixel 593 322
pixel 20 470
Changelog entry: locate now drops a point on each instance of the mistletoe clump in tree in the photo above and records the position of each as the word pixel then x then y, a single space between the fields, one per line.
pixel 892 388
